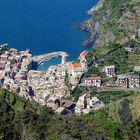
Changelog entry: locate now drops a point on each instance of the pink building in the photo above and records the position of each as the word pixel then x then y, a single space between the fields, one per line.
pixel 2 74
pixel 93 81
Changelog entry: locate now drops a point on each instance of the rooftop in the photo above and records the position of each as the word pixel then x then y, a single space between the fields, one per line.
pixel 74 65
pixel 112 66
pixel 94 78
pixel 84 54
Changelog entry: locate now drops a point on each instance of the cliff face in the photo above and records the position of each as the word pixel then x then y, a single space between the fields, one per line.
pixel 113 21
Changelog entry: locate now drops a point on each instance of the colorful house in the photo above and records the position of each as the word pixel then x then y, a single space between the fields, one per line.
pixel 93 81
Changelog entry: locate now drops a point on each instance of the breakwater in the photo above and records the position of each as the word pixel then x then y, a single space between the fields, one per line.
pixel 39 59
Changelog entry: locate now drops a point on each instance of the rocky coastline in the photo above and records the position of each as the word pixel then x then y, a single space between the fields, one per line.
pixel 108 24
pixel 93 26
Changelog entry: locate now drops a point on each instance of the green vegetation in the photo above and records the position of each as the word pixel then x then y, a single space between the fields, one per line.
pixel 76 93
pixel 108 96
pixel 134 58
pixel 118 58
pixel 89 57
pixel 125 112
pixel 28 120
pixel 96 71
pixel 118 120
pixel 115 54
pixel 5 48
pixel 118 21
pixel 100 52
pixel 21 119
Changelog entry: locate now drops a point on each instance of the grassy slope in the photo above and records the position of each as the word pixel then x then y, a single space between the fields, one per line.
pixel 134 106
pixel 20 118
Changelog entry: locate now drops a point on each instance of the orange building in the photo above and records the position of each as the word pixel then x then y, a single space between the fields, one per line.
pixel 84 54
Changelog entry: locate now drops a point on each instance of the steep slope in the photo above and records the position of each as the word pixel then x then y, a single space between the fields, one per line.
pixel 113 21
pixel 24 120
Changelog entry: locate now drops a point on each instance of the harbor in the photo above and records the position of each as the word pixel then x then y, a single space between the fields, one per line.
pixel 40 59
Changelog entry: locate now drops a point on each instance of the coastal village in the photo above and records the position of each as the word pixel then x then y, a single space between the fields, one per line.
pixel 45 87
pixel 54 86
pixel 94 95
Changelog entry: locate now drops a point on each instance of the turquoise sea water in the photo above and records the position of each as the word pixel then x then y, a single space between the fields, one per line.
pixel 44 25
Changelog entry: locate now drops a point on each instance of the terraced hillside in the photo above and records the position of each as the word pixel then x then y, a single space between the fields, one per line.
pixel 111 20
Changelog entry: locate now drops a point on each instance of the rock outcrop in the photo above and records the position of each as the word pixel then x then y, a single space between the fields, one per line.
pixel 112 21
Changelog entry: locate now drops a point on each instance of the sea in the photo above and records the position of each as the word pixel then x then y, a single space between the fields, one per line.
pixel 44 26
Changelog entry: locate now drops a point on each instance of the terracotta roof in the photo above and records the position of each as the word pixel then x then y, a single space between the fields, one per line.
pixel 93 78
pixel 74 65
pixel 2 74
pixel 84 54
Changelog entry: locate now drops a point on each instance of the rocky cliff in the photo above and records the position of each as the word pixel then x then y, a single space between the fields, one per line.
pixel 113 21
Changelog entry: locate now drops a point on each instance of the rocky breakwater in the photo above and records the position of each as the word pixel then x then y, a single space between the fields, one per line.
pixel 111 21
